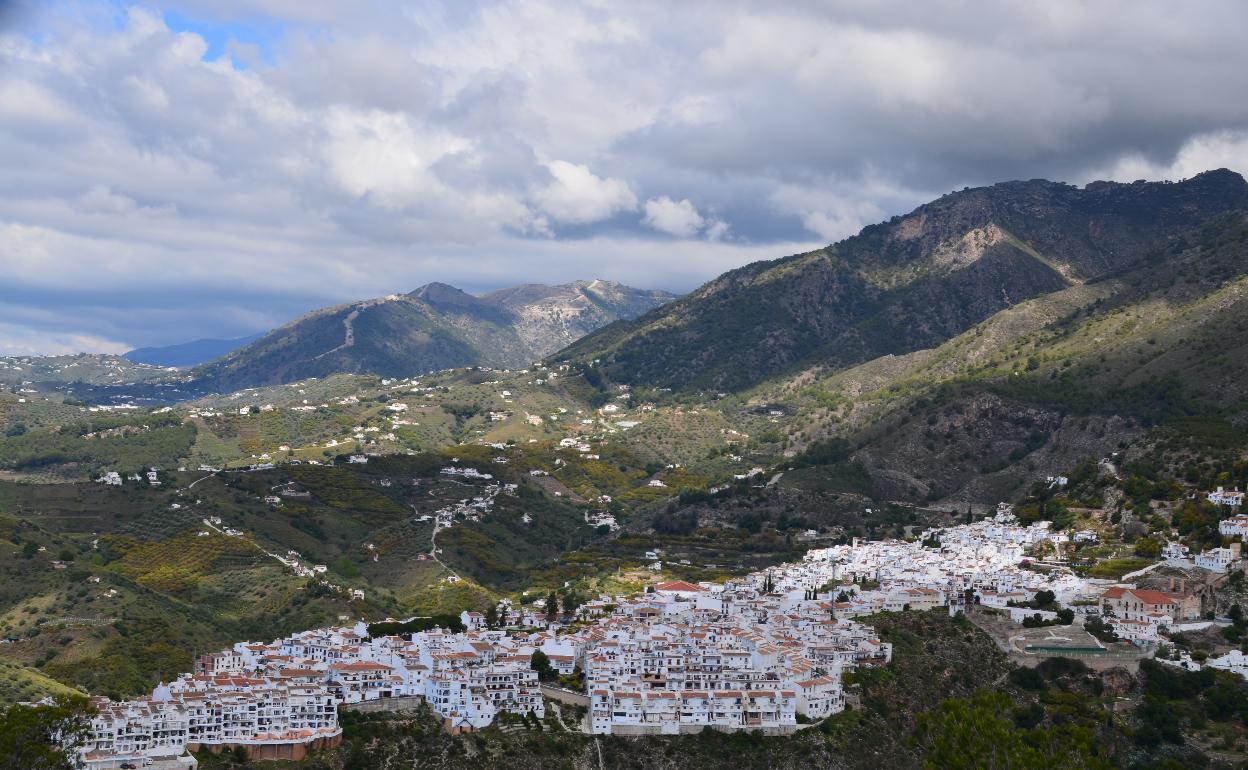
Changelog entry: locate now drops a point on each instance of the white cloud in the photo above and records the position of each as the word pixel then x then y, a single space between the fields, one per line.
pixel 384 156
pixel 152 195
pixel 17 340
pixel 576 196
pixel 717 229
pixel 830 215
pixel 1218 149
pixel 679 218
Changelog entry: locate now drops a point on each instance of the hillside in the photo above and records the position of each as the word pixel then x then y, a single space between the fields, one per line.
pixel 435 327
pixel 108 588
pixel 1042 385
pixel 904 285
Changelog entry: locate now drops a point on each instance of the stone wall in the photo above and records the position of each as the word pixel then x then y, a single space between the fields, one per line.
pixel 404 703
pixel 276 750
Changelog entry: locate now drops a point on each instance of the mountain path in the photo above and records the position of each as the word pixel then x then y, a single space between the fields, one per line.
pixel 433 548
pixel 349 339
pixel 348 323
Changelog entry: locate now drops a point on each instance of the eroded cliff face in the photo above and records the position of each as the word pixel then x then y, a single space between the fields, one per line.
pixel 549 318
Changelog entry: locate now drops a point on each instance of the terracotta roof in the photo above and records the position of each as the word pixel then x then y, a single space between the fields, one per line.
pixel 678 585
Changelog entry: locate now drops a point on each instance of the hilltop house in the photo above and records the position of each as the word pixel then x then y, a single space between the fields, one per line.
pixel 1233 498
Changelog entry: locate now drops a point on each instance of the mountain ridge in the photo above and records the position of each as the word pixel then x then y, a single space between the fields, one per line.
pixel 436 326
pixel 185 354
pixel 905 284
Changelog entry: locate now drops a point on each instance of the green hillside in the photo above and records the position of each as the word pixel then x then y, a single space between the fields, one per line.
pixel 906 284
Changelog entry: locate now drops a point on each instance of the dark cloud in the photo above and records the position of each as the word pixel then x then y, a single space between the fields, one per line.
pixel 168 178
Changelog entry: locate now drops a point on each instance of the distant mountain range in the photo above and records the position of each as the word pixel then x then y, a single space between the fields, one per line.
pixel 435 327
pixel 188 353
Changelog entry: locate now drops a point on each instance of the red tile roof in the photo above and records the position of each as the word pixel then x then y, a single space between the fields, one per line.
pixel 679 586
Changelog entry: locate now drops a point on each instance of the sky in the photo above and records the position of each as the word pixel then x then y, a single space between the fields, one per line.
pixel 213 168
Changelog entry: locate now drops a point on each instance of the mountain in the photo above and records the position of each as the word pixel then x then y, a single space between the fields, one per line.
pixel 904 285
pixel 188 353
pixel 955 355
pixel 435 327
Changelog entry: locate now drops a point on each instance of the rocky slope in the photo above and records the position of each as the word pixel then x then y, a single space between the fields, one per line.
pixel 907 284
pixel 990 339
pixel 435 327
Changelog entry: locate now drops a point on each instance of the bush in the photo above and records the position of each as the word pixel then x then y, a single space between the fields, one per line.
pixel 1027 678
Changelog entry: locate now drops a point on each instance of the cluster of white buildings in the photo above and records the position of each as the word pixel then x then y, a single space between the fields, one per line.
pixel 1234 662
pixel 751 654
pixel 114 479
pixel 678 658
pixel 1234 526
pixel 473 508
pixel 987 556
pixel 686 657
pixel 280 700
pixel 273 717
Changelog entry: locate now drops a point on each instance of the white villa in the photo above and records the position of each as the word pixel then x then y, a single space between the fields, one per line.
pixel 1234 498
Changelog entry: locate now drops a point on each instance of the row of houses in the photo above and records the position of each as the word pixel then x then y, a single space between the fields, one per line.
pixel 270 717
pixel 988 557
pixel 686 657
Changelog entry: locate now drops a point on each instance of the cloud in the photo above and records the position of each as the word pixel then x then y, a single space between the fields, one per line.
pixel 18 340
pixel 679 218
pixel 184 168
pixel 1219 149
pixel 830 213
pixel 576 196
pixel 384 157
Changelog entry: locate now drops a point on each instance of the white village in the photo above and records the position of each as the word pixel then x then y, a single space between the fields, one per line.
pixel 766 652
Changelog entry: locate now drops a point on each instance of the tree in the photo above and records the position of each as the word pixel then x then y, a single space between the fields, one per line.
pixel 552 606
pixel 346 568
pixel 1044 599
pixel 977 732
pixel 541 664
pixel 1148 547
pixel 1100 629
pixel 491 616
pixel 43 737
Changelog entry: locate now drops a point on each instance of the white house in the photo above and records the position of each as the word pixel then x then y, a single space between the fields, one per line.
pixel 1234 661
pixel 1235 526
pixel 1220 496
pixel 1218 559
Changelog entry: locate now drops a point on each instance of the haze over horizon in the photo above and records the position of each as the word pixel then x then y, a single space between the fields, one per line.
pixel 179 170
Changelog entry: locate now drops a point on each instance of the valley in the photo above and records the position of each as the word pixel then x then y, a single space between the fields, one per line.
pixel 1070 357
